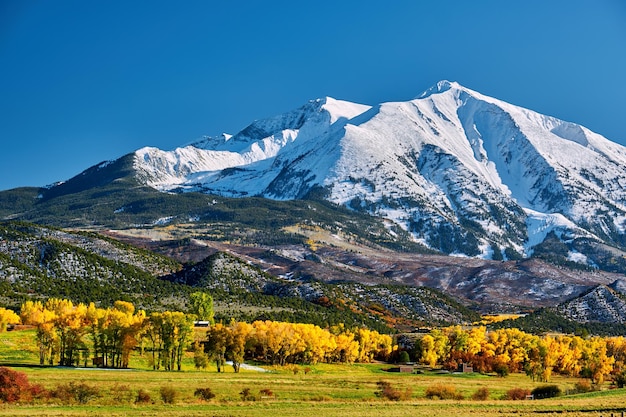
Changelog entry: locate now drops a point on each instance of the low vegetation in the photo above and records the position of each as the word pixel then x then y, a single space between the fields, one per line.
pixel 330 390
pixel 359 389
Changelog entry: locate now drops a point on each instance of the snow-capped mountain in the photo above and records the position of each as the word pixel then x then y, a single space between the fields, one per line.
pixel 464 173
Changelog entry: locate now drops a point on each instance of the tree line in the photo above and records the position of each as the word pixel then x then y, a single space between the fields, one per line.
pixel 512 350
pixel 284 343
pixel 71 334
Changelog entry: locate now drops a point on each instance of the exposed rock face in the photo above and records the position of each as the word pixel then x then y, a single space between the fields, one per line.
pixel 601 304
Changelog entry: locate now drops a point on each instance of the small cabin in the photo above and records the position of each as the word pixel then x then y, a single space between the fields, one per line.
pixel 402 368
pixel 465 368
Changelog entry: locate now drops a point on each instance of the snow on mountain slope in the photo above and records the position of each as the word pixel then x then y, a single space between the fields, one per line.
pixel 258 142
pixel 463 172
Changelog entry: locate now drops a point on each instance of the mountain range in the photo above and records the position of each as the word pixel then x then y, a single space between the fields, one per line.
pixel 451 172
pixel 461 172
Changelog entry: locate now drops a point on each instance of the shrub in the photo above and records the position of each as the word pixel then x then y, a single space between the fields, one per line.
pixel 246 395
pixel 200 359
pixel 266 392
pixel 584 385
pixel 516 394
pixel 84 392
pixel 385 390
pixel 620 379
pixel 404 357
pixel 13 385
pixel 75 392
pixel 546 391
pixel 442 392
pixel 143 397
pixel 482 394
pixel 121 394
pixel 168 395
pixel 204 393
pixel 38 391
pixel 63 393
pixel 501 369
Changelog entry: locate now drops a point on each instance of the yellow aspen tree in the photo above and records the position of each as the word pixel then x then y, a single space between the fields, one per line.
pixel 239 335
pixel 549 357
pixel 216 344
pixel 597 364
pixel 96 318
pixel 347 349
pixel 7 317
pixel 429 352
pixel 34 313
pixel 476 339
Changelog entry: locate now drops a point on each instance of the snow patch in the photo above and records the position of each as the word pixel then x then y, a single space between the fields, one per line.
pixel 163 221
pixel 339 109
pixel 577 257
pixel 541 224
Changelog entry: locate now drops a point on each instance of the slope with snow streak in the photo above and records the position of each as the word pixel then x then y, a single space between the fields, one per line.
pixel 200 162
pixel 463 172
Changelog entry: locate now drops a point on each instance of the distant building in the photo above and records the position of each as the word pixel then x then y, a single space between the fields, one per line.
pixel 465 368
pixel 409 369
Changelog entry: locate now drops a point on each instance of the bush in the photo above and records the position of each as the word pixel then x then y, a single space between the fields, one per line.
pixel 266 392
pixel 63 393
pixel 385 390
pixel 584 385
pixel 404 357
pixel 501 369
pixel 442 392
pixel 13 385
pixel 143 397
pixel 168 395
pixel 204 393
pixel 80 392
pixel 200 359
pixel 482 394
pixel 620 379
pixel 516 394
pixel 84 392
pixel 247 395
pixel 121 394
pixel 546 391
pixel 38 391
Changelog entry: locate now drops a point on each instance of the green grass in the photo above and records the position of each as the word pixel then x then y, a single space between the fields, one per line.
pixel 19 347
pixel 329 390
pixel 326 390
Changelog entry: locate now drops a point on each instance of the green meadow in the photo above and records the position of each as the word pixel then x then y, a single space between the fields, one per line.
pixel 305 390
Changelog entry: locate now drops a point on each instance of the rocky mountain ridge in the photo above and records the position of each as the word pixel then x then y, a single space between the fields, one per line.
pixel 461 172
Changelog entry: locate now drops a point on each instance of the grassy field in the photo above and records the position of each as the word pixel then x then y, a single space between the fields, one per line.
pixel 325 390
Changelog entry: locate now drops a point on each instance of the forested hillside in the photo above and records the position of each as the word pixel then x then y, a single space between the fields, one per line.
pixel 39 262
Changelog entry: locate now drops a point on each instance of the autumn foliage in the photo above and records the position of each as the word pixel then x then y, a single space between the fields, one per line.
pixel 284 343
pixel 71 334
pixel 14 387
pixel 511 350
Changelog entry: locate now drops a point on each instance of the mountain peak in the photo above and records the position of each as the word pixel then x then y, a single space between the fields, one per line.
pixel 433 165
pixel 340 109
pixel 441 87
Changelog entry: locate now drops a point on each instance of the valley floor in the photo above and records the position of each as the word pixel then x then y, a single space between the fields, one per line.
pixel 325 390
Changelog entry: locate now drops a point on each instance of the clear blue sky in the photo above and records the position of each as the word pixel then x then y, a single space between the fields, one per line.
pixel 86 81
